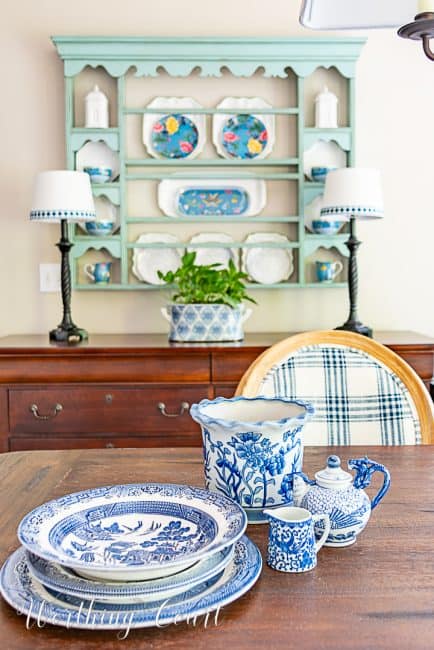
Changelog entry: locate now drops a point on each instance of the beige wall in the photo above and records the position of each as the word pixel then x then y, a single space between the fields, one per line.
pixel 395 108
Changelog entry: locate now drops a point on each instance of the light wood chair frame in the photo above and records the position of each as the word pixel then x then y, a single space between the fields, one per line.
pixel 250 383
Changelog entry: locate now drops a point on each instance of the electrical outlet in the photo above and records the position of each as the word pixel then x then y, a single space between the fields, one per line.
pixel 49 278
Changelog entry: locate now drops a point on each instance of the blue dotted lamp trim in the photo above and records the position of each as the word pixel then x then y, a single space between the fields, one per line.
pixel 353 210
pixel 55 215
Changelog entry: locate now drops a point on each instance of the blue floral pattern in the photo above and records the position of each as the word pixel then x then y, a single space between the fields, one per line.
pixel 213 201
pixel 174 136
pixel 244 136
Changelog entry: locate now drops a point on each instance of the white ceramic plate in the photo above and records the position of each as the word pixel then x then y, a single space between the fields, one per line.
pixel 169 191
pixel 27 596
pixel 132 532
pixel 252 106
pixel 174 105
pixel 323 154
pixel 67 581
pixel 98 154
pixel 148 261
pixel 213 255
pixel 267 265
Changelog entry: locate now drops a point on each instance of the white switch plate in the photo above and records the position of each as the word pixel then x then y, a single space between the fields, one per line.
pixel 49 278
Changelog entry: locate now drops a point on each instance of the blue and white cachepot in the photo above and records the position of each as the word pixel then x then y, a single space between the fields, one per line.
pixel 341 496
pixel 205 322
pixel 252 448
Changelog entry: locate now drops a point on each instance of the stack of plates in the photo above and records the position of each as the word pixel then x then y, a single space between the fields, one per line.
pixel 129 556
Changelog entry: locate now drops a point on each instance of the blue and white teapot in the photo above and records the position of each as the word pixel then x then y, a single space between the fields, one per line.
pixel 339 495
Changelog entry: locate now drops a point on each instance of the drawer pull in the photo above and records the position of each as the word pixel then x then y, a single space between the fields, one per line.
pixel 108 398
pixel 110 445
pixel 162 408
pixel 34 409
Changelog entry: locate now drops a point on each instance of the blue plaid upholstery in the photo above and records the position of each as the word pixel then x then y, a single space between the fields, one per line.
pixel 358 400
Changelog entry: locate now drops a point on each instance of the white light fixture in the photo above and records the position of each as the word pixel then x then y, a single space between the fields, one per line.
pixel 353 193
pixel 62 196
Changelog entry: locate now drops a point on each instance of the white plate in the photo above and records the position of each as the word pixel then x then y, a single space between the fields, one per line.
pixel 173 105
pixel 98 154
pixel 267 265
pixel 132 532
pixel 323 154
pixel 27 596
pixel 170 188
pixel 213 255
pixel 252 105
pixel 60 578
pixel 148 261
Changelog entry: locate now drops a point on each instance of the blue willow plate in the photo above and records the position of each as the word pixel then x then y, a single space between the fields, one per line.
pixel 66 581
pixel 132 532
pixel 29 597
pixel 174 136
pixel 214 201
pixel 244 136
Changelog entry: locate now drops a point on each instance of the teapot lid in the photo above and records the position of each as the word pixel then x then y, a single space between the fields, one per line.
pixel 333 476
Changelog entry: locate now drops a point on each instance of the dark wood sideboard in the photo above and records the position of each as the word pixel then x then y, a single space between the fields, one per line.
pixel 131 390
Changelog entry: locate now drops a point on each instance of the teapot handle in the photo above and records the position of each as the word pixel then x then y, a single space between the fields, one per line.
pixel 365 468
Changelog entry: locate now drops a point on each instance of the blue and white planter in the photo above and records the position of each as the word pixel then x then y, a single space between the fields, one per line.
pixel 203 322
pixel 252 448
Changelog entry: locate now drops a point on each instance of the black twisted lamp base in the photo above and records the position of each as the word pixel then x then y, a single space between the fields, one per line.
pixel 66 331
pixel 353 324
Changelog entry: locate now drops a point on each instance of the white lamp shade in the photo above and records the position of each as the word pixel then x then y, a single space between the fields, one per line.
pixel 62 195
pixel 353 192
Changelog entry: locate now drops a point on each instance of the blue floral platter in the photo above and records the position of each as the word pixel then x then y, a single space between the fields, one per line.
pixel 212 201
pixel 174 136
pixel 244 136
pixel 59 578
pixel 132 532
pixel 23 592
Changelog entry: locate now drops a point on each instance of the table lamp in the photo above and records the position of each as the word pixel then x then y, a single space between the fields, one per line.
pixel 353 193
pixel 63 196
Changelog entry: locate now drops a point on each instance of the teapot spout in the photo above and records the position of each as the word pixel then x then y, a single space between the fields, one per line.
pixel 300 487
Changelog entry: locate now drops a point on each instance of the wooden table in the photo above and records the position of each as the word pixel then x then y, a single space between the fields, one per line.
pixel 376 594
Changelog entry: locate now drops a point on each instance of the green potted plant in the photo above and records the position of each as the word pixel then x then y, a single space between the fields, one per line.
pixel 208 301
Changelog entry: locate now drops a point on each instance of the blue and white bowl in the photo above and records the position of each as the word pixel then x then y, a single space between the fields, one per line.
pixel 99 174
pixel 325 227
pixel 99 228
pixel 319 173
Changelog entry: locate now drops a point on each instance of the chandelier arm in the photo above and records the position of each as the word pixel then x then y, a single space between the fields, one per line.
pixel 426 47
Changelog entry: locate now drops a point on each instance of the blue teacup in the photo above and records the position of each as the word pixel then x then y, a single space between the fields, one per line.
pixel 99 228
pixel 99 272
pixel 292 547
pixel 327 271
pixel 323 227
pixel 319 173
pixel 98 174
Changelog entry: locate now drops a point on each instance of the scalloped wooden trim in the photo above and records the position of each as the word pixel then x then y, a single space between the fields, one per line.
pixel 251 381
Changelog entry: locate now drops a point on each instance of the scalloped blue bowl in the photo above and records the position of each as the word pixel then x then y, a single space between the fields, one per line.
pixel 99 174
pixel 323 227
pixel 99 228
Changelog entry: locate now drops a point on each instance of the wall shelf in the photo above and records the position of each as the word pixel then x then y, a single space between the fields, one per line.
pixel 281 71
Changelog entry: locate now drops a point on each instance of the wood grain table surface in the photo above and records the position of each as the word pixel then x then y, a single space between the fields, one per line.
pixel 376 594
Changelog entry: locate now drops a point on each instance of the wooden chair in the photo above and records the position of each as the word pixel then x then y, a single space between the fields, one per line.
pixel 363 392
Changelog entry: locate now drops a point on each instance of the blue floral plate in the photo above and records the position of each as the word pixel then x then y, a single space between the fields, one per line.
pixel 244 136
pixel 174 136
pixel 132 532
pixel 65 580
pixel 29 597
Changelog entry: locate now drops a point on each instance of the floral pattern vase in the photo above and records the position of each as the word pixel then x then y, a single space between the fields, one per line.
pixel 252 448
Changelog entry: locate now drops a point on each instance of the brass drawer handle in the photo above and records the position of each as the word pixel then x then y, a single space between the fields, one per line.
pixel 162 408
pixel 34 409
pixel 110 445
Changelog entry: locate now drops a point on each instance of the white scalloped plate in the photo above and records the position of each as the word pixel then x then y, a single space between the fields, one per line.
pixel 323 154
pixel 213 255
pixel 253 107
pixel 267 265
pixel 179 105
pixel 147 261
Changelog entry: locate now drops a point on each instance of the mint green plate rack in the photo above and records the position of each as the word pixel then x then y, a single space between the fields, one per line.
pixel 181 57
